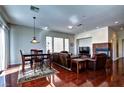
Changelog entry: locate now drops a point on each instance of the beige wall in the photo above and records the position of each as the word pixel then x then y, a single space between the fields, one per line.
pixel 120 38
pixel 98 36
pixel 101 35
pixel 116 37
pixel 112 38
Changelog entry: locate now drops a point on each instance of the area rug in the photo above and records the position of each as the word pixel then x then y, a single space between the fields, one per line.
pixel 30 75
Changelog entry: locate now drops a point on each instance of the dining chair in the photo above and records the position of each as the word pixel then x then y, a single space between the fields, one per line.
pixel 37 60
pixel 100 61
pixel 25 60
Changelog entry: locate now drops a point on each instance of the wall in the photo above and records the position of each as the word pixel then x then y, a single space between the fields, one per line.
pixel 2 20
pixel 120 35
pixel 85 42
pixel 112 38
pixel 98 36
pixel 116 37
pixel 21 36
pixel 3 17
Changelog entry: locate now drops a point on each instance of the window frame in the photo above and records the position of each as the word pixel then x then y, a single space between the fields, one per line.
pixel 63 43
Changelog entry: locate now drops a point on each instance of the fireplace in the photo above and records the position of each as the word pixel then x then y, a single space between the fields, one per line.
pixel 103 50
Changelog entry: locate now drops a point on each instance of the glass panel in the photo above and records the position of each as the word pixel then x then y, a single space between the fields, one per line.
pixel 58 44
pixel 2 81
pixel 48 44
pixel 66 44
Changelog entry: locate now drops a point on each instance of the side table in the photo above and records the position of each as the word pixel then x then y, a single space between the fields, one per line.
pixel 78 61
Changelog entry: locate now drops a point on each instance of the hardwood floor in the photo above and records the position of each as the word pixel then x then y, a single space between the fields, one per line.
pixel 66 78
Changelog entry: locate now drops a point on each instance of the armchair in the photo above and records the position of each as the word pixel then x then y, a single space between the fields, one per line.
pixel 99 63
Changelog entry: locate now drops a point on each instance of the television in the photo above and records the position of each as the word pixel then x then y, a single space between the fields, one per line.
pixel 84 50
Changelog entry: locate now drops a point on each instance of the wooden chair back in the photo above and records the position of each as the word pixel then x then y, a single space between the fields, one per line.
pixel 35 51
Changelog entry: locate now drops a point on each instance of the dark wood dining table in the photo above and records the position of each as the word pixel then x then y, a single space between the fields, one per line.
pixel 32 56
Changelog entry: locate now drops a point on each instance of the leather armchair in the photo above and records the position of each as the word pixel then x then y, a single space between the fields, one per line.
pixel 99 63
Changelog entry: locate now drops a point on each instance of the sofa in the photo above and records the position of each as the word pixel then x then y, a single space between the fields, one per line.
pixel 62 58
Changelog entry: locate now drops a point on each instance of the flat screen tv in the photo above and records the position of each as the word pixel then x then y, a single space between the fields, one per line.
pixel 84 50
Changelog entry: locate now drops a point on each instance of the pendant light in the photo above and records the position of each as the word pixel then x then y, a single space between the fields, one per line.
pixel 34 41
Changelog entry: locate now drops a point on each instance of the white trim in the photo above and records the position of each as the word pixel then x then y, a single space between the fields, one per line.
pixel 117 59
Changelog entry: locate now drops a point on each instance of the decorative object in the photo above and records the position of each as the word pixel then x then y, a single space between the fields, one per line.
pixel 34 9
pixel 34 40
pixel 30 75
pixel 71 44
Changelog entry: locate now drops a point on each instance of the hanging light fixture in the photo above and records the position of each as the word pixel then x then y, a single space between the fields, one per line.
pixel 34 41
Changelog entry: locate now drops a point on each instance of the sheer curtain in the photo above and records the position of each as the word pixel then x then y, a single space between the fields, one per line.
pixel 58 44
pixel 4 47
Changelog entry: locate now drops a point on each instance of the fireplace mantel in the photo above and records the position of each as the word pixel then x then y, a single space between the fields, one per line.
pixel 102 47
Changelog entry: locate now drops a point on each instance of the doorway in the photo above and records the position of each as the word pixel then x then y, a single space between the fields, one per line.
pixel 122 47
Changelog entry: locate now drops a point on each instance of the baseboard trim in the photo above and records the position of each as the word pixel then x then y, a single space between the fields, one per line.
pixel 117 59
pixel 13 65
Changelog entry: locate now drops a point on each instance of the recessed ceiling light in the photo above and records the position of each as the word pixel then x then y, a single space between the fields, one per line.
pixel 45 28
pixel 70 27
pixel 116 22
pixel 97 27
pixel 74 19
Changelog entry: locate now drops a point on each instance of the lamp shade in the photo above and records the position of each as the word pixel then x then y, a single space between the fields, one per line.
pixel 34 41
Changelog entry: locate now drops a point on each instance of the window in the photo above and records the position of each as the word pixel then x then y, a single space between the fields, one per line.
pixel 48 44
pixel 66 44
pixel 2 49
pixel 58 44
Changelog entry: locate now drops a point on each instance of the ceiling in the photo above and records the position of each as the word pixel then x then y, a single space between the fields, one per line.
pixel 59 17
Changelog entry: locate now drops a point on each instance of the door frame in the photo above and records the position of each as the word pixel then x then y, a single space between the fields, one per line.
pixel 122 47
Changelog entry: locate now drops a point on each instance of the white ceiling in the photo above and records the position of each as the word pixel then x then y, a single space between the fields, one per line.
pixel 58 17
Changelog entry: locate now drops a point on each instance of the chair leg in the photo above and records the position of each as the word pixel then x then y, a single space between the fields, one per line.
pixel 23 66
pixel 34 66
pixel 31 64
pixel 41 66
pixel 94 67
